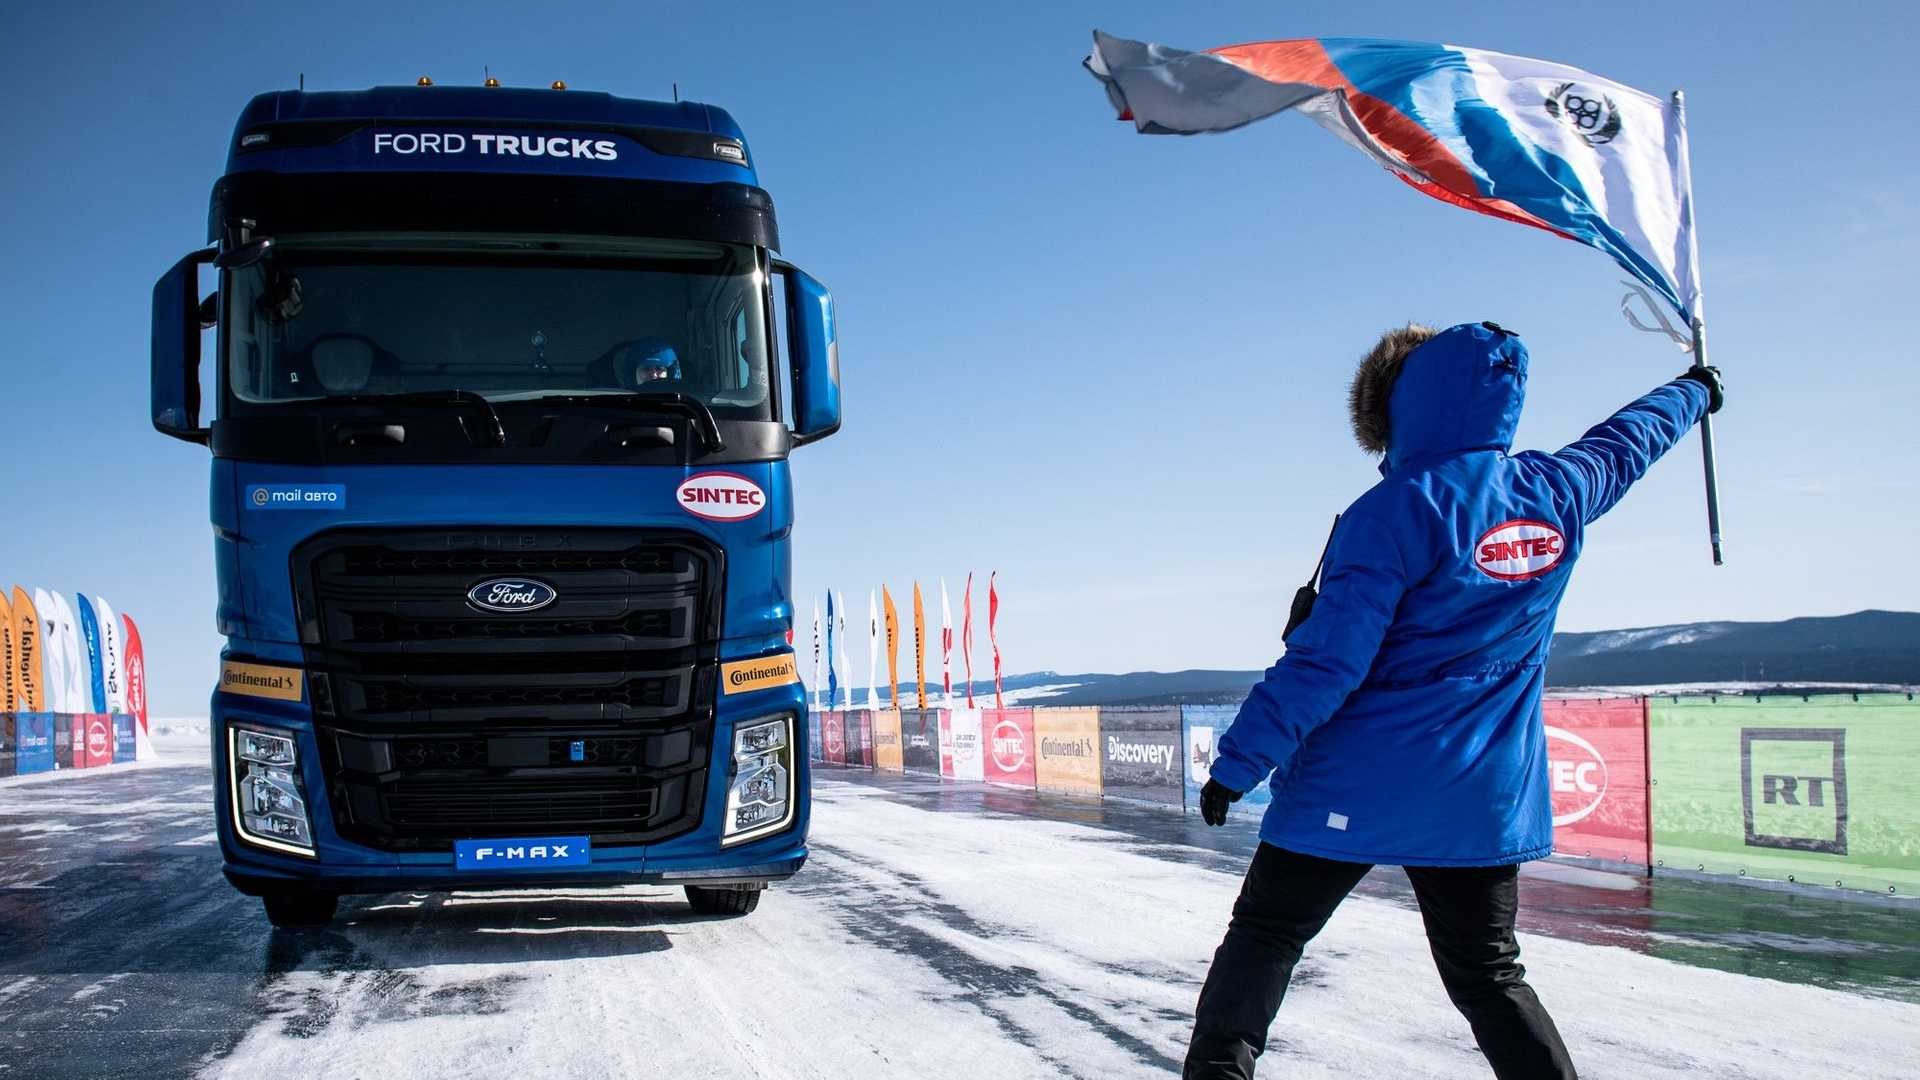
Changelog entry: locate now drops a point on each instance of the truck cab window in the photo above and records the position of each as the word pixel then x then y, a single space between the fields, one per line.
pixel 512 323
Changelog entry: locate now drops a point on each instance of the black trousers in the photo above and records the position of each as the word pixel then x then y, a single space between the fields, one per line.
pixel 1285 900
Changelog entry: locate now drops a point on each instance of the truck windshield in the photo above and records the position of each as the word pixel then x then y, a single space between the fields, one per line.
pixel 513 321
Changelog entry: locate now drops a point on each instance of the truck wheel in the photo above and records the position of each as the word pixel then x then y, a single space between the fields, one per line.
pixel 732 900
pixel 300 910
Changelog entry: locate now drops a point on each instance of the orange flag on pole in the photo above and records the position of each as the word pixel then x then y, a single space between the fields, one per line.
pixel 919 647
pixel 892 616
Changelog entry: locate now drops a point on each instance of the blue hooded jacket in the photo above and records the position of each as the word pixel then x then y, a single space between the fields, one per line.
pixel 1403 724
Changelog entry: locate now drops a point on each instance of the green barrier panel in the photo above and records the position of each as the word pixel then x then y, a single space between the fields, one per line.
pixel 1823 791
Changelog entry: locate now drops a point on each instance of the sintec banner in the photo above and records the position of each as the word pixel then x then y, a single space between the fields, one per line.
pixel 1824 791
pixel 1597 772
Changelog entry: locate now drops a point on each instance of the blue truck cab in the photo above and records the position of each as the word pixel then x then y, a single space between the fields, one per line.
pixel 500 496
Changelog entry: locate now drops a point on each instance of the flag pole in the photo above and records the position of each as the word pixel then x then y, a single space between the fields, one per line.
pixel 1699 330
pixel 1706 451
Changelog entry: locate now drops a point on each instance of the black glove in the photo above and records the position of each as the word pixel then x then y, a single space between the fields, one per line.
pixel 1708 377
pixel 1214 800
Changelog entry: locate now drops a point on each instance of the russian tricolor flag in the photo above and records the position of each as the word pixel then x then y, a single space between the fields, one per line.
pixel 1524 140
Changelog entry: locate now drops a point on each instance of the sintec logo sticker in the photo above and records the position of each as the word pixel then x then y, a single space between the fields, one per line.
pixel 720 496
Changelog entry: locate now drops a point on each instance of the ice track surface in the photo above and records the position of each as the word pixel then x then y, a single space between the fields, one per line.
pixel 935 932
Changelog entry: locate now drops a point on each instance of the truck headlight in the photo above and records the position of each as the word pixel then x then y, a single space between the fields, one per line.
pixel 760 794
pixel 269 799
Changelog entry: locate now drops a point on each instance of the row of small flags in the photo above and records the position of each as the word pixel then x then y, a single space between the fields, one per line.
pixel 883 623
pixel 62 655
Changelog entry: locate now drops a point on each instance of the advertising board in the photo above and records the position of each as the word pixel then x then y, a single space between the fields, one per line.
pixel 1068 741
pixel 1140 754
pixel 1009 757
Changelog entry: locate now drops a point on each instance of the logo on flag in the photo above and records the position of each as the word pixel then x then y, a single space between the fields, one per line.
pixel 1591 114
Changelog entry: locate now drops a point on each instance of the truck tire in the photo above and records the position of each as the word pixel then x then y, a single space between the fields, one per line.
pixel 734 900
pixel 300 910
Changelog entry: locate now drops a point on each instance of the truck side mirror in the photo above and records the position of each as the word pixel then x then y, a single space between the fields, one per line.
pixel 814 355
pixel 176 349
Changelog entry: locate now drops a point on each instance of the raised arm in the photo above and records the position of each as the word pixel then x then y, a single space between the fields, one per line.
pixel 1327 657
pixel 1606 461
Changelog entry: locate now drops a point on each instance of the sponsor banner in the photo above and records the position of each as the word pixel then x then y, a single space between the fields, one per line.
pixel 886 741
pixel 92 740
pixel 33 742
pixel 833 731
pixel 961 755
pixel 63 740
pixel 859 737
pixel 1068 743
pixel 814 745
pixel 760 673
pixel 1010 751
pixel 920 741
pixel 261 680
pixel 123 724
pixel 1820 791
pixel 1200 726
pixel 7 755
pixel 1597 771
pixel 1140 754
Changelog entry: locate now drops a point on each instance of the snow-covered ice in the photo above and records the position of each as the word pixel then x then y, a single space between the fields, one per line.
pixel 935 932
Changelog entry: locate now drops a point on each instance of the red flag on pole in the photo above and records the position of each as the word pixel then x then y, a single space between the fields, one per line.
pixel 966 635
pixel 993 616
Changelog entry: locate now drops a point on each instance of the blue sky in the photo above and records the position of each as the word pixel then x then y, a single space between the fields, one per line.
pixel 1111 367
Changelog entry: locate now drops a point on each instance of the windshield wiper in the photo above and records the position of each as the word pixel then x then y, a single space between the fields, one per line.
pixel 495 432
pixel 691 406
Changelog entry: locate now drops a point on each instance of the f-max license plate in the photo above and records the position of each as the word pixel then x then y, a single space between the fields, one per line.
pixel 522 852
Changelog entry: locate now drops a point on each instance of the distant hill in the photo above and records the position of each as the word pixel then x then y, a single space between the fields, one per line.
pixel 1867 647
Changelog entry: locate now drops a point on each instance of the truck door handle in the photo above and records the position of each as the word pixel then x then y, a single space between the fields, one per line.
pixel 371 433
pixel 633 436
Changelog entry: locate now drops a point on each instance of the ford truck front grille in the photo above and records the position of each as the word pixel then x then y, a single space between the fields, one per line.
pixel 592 714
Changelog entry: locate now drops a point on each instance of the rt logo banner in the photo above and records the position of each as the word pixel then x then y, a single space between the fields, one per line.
pixel 1793 788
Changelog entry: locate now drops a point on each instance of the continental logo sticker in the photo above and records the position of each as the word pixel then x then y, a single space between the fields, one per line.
pixel 761 673
pixel 261 680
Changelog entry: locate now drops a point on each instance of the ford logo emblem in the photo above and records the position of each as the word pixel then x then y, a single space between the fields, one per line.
pixel 511 596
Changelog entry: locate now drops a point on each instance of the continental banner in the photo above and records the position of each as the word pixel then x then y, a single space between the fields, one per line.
pixel 1140 754
pixel 1010 749
pixel 1069 750
pixel 920 741
pixel 1597 771
pixel 961 758
pixel 886 741
pixel 859 737
pixel 1200 726
pixel 1823 791
pixel 833 737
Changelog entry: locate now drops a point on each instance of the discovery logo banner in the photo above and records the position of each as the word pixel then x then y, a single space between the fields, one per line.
pixel 296 497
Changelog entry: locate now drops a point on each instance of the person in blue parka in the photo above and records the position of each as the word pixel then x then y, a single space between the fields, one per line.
pixel 1403 724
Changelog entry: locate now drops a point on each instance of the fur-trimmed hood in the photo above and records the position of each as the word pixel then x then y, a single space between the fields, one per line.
pixel 1462 389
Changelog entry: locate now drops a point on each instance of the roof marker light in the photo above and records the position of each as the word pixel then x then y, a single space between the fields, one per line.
pixel 424 81
pixel 254 138
pixel 559 84
pixel 491 81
